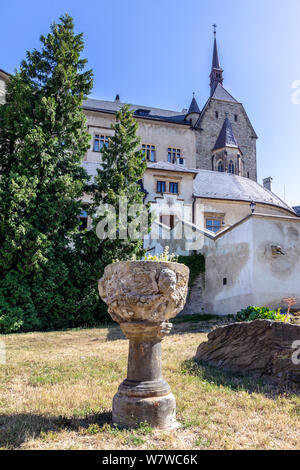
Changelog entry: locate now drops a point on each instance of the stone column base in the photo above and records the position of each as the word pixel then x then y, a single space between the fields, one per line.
pixel 158 412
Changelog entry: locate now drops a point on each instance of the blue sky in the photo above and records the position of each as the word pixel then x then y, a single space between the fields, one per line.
pixel 157 52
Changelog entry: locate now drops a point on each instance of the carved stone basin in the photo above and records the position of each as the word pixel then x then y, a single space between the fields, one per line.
pixel 142 296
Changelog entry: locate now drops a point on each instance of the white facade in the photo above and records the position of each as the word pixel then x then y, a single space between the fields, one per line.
pixel 254 263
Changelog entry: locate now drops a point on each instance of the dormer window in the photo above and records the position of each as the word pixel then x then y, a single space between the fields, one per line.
pixel 142 112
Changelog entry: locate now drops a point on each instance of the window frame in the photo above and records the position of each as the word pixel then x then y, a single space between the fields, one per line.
pixel 174 154
pixel 101 140
pixel 220 162
pixel 231 164
pixel 163 183
pixel 215 221
pixel 148 150
pixel 173 183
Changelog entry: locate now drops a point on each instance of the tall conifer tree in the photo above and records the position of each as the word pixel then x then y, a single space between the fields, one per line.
pixel 43 138
pixel 119 178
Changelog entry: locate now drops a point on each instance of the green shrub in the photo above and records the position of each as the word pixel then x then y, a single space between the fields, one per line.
pixel 253 313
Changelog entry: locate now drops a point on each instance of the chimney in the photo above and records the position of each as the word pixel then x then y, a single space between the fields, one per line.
pixel 267 182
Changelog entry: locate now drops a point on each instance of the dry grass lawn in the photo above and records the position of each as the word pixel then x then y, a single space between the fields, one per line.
pixel 56 392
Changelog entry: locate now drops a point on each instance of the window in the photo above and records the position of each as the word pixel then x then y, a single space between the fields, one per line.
pixel 99 142
pixel 217 115
pixel 173 188
pixel 236 117
pixel 149 152
pixel 220 166
pixel 174 156
pixel 83 219
pixel 161 187
pixel 248 174
pixel 142 112
pixel 213 225
pixel 231 167
pixel 224 281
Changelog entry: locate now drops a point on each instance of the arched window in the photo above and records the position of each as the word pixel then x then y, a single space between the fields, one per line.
pixel 220 166
pixel 231 167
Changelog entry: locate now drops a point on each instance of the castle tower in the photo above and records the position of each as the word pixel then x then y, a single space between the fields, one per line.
pixel 223 114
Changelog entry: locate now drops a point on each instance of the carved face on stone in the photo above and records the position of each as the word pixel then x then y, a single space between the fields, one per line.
pixel 151 291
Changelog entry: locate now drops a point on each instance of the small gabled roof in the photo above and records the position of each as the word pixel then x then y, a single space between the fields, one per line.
pixel 221 94
pixel 194 108
pixel 226 137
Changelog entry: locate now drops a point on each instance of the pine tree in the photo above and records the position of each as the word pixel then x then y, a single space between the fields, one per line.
pixel 123 165
pixel 43 138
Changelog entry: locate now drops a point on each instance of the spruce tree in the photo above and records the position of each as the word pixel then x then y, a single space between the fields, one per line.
pixel 122 168
pixel 43 138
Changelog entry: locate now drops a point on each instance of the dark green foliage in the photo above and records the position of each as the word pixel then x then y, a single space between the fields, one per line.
pixel 43 138
pixel 196 263
pixel 253 313
pixel 123 165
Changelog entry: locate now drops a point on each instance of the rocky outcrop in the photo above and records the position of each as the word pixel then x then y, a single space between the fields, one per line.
pixel 264 348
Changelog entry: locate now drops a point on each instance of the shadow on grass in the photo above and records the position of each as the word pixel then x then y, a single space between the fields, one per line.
pixel 236 381
pixel 16 428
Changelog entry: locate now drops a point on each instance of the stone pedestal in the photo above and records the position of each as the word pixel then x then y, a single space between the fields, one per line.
pixel 144 395
pixel 141 296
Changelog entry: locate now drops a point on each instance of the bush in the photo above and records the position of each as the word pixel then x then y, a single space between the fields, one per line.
pixel 253 313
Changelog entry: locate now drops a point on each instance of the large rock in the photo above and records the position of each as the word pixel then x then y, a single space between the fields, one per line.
pixel 263 348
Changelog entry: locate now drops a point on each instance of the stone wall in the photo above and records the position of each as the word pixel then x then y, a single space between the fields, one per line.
pixel 210 128
pixel 241 269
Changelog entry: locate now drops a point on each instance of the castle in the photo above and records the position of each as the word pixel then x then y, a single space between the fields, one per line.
pixel 202 175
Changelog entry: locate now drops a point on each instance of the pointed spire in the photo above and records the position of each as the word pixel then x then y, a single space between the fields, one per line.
pixel 215 61
pixel 216 75
pixel 194 112
pixel 226 137
pixel 194 108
